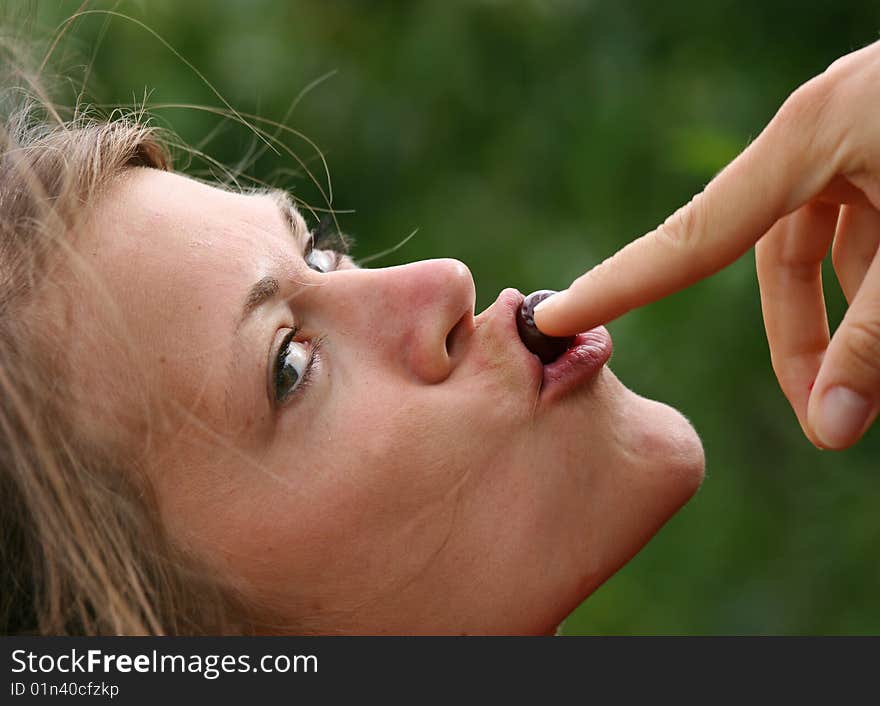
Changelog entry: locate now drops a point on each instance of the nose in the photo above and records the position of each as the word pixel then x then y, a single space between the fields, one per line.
pixel 409 315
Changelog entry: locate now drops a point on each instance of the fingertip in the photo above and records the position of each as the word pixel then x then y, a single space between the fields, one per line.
pixel 839 417
pixel 548 312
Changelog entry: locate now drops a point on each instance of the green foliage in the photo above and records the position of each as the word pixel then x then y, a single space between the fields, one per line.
pixel 531 140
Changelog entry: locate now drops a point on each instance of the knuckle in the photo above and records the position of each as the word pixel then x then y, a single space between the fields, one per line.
pixel 856 60
pixel 807 106
pixel 842 65
pixel 852 82
pixel 682 230
pixel 818 114
pixel 810 122
pixel 862 346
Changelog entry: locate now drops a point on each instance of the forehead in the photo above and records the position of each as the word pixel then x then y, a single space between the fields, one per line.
pixel 153 205
pixel 170 259
pixel 173 236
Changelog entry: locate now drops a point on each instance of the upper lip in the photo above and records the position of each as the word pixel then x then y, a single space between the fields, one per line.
pixel 500 318
pixel 591 350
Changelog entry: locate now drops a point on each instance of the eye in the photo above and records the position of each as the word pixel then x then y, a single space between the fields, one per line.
pixel 321 260
pixel 326 246
pixel 292 367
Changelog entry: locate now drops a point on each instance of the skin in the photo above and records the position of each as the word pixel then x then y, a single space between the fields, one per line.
pixel 420 483
pixel 808 184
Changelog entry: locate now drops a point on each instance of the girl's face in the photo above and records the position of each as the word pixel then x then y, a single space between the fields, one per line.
pixel 353 448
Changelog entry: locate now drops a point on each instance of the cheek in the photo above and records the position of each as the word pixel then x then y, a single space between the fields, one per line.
pixel 396 456
pixel 361 506
pixel 404 446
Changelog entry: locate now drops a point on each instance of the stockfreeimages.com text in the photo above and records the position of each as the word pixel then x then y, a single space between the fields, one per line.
pixel 209 666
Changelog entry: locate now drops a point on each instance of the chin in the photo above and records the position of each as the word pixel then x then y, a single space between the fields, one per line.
pixel 653 464
pixel 672 451
pixel 657 447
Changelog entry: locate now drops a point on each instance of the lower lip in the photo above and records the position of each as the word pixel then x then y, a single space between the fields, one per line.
pixel 580 363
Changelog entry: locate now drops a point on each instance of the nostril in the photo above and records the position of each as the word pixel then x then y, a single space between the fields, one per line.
pixel 450 338
pixel 456 335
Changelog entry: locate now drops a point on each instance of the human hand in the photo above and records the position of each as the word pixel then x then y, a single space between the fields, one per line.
pixel 810 182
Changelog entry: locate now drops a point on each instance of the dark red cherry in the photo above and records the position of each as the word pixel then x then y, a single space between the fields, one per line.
pixel 547 348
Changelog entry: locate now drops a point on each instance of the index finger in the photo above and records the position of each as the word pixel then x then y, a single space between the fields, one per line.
pixel 791 161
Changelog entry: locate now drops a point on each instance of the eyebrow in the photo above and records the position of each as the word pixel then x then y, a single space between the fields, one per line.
pixel 267 287
pixel 259 293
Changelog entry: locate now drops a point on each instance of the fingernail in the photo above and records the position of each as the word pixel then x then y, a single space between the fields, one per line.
pixel 842 414
pixel 544 306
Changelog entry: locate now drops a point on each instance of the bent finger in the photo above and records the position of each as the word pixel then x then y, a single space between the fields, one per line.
pixel 846 395
pixel 789 265
pixel 855 245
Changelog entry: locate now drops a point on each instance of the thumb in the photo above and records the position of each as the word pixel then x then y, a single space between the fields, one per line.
pixel 846 394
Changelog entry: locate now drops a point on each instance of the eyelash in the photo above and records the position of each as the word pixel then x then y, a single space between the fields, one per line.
pixel 306 377
pixel 322 237
pixel 325 237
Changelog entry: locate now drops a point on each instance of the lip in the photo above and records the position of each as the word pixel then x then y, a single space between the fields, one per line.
pixel 587 355
pixel 583 360
pixel 506 305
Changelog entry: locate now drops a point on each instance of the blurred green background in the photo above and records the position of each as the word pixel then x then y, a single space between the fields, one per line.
pixel 531 140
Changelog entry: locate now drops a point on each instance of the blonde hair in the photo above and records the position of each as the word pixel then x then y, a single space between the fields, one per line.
pixel 81 550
